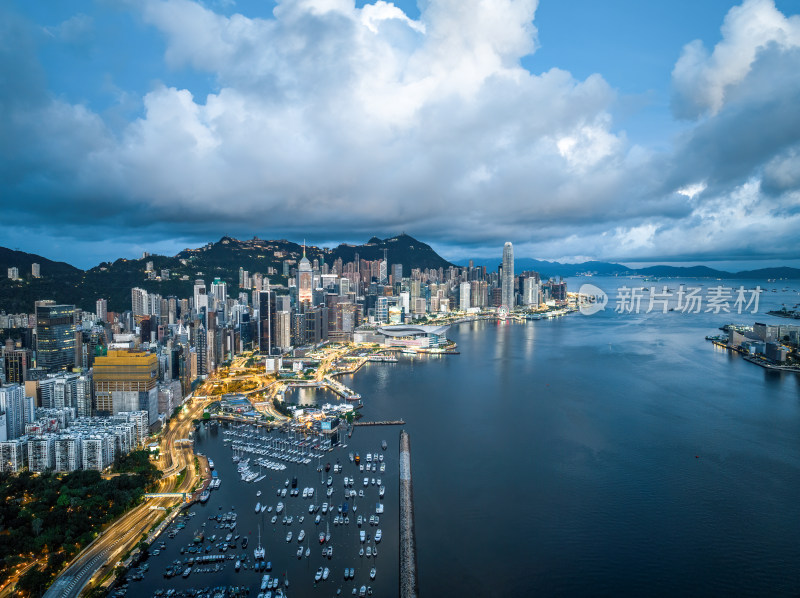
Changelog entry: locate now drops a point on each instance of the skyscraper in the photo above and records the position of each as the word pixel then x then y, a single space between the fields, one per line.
pixel 304 291
pixel 507 281
pixel 55 336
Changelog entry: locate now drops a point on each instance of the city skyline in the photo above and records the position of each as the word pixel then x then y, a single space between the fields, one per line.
pixel 673 139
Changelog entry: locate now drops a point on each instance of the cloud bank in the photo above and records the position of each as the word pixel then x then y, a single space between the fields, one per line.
pixel 338 122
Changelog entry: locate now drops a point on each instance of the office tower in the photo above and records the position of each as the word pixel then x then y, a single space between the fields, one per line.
pixel 267 308
pixel 464 296
pixel 304 275
pixel 55 336
pixel 283 329
pixel 126 381
pixel 219 291
pixel 13 273
pixel 36 271
pixel 530 293
pixel 397 273
pixel 12 403
pixel 200 297
pixel 102 310
pixel 507 281
pixel 16 363
pixel 383 274
pixel 382 309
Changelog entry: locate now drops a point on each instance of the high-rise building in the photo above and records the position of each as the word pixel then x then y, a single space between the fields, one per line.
pixel 36 270
pixel 530 293
pixel 102 309
pixel 16 363
pixel 464 296
pixel 200 297
pixel 267 309
pixel 12 403
pixel 397 273
pixel 304 280
pixel 55 336
pixel 13 273
pixel 139 303
pixel 507 281
pixel 283 329
pixel 219 290
pixel 126 381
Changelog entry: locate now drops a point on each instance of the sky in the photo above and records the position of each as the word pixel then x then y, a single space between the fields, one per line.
pixel 625 131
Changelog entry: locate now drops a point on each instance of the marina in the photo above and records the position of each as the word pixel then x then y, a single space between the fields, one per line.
pixel 303 495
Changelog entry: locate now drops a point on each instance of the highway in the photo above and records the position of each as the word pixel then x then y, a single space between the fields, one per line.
pixel 102 555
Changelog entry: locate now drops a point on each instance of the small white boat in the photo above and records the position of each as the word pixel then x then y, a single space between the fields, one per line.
pixel 372 573
pixel 325 573
pixel 289 536
pixel 318 574
pixel 378 535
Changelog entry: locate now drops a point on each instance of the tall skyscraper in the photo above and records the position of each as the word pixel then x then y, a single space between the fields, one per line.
pixel 12 399
pixel 36 270
pixel 55 336
pixel 266 321
pixel 507 282
pixel 304 276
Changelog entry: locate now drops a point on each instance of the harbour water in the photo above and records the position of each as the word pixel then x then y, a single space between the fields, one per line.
pixel 614 454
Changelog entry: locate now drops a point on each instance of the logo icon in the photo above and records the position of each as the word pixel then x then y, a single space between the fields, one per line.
pixel 597 299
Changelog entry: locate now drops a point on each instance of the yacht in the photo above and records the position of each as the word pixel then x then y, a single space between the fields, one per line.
pixel 384 446
pixel 279 508
pixel 274 519
pixel 369 551
pixel 359 521
pixel 362 535
pixel 325 573
pixel 366 482
pixel 378 536
pixel 289 536
pixel 318 574
pixel 301 536
pixel 382 491
pixel 372 573
pixel 258 552
pixel 258 507
pixel 258 493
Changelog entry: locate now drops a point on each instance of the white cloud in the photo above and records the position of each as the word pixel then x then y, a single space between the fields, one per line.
pixel 702 80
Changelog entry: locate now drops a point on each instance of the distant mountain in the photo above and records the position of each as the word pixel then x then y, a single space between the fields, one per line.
pixel 402 249
pixel 555 269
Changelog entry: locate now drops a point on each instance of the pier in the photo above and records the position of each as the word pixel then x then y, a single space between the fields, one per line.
pixel 409 584
pixel 395 422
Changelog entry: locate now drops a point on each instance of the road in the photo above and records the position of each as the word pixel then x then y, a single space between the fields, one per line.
pixel 100 557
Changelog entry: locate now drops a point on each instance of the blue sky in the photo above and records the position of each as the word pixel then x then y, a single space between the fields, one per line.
pixel 623 131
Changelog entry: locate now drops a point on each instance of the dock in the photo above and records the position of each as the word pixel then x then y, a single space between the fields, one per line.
pixel 409 583
pixel 396 422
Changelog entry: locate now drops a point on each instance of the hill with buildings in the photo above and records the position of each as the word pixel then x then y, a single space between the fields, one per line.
pixel 175 275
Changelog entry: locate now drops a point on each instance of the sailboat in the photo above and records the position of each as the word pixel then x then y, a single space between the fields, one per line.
pixel 258 553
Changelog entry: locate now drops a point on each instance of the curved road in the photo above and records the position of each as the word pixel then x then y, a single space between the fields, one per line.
pixel 122 536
